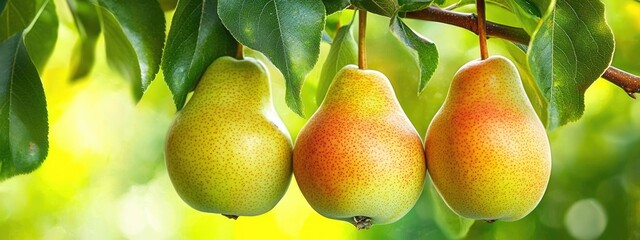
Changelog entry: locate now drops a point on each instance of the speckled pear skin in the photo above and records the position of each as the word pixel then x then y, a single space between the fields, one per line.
pixel 487 152
pixel 359 155
pixel 228 151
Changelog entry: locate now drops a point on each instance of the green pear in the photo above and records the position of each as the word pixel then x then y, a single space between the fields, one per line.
pixel 228 151
pixel 359 158
pixel 487 151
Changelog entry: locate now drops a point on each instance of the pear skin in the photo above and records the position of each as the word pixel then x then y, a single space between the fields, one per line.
pixel 359 158
pixel 487 151
pixel 228 151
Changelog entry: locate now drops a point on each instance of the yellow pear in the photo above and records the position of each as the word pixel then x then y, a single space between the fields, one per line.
pixel 228 151
pixel 487 151
pixel 359 159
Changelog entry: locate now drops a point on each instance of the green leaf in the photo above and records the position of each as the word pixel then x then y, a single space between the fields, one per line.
pixel 529 7
pixel 337 20
pixel 453 226
pixel 120 53
pixel 23 113
pixel 413 5
pixel 571 48
pixel 287 32
pixel 453 4
pixel 18 15
pixel 41 37
pixel 387 8
pixel 527 11
pixel 197 37
pixel 85 16
pixel 344 51
pixel 390 8
pixel 332 6
pixel 332 23
pixel 168 5
pixel 134 38
pixel 2 4
pixel 424 51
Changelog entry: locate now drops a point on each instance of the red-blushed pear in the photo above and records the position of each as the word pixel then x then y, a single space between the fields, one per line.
pixel 359 159
pixel 228 151
pixel 487 151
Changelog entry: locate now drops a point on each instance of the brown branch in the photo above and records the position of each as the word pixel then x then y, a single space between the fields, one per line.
pixel 470 22
pixel 628 82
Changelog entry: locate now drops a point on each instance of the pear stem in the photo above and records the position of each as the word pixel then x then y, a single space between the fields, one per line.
pixel 362 29
pixel 240 52
pixel 482 29
pixel 232 217
pixel 628 82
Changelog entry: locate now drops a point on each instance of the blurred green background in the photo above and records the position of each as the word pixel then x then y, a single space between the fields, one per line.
pixel 105 176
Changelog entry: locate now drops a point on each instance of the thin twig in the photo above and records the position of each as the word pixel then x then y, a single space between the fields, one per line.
pixel 482 29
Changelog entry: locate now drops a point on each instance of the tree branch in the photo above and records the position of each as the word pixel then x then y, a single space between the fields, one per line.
pixel 628 82
pixel 470 22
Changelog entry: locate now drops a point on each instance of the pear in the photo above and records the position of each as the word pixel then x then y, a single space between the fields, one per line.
pixel 228 151
pixel 487 151
pixel 358 158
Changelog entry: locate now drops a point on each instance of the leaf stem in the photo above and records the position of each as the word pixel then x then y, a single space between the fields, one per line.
pixel 362 29
pixel 628 82
pixel 482 29
pixel 240 52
